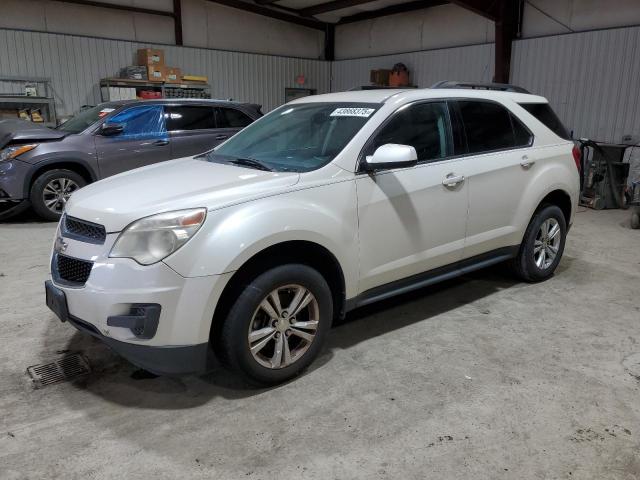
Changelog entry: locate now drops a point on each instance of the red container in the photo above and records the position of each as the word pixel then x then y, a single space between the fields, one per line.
pixel 150 94
pixel 399 79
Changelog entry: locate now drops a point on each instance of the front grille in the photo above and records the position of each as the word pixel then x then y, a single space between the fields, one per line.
pixel 83 230
pixel 72 271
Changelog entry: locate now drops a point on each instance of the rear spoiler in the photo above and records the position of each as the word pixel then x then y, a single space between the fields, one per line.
pixel 254 107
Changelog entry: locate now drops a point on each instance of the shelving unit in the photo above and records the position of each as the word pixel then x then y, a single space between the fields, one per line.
pixel 18 101
pixel 167 90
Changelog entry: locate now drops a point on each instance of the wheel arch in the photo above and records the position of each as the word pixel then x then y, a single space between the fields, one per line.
pixel 78 166
pixel 305 252
pixel 561 199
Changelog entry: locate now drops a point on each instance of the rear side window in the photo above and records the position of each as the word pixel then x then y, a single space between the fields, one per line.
pixel 232 118
pixel 424 126
pixel 189 117
pixel 489 126
pixel 543 112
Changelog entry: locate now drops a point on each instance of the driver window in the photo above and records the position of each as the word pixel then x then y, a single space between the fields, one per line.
pixel 141 122
pixel 424 126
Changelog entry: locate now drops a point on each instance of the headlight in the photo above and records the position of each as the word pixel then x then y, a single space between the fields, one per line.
pixel 153 238
pixel 12 152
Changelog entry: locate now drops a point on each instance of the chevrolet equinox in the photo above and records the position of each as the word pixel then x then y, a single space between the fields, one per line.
pixel 248 252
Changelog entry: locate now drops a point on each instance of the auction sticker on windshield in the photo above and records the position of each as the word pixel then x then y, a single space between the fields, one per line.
pixel 352 112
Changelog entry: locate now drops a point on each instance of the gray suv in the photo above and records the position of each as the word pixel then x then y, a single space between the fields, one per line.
pixel 42 167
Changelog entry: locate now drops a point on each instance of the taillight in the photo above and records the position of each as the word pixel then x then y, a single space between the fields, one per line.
pixel 577 157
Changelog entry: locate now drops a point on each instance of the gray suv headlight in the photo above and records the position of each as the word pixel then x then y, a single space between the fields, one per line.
pixel 151 239
pixel 10 153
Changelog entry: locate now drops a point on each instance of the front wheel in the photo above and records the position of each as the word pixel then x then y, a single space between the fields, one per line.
pixel 278 324
pixel 51 191
pixel 542 245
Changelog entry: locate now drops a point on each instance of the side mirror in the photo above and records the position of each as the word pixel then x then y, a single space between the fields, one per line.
pixel 392 155
pixel 110 129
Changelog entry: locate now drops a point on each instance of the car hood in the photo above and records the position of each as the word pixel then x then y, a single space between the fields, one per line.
pixel 174 185
pixel 23 131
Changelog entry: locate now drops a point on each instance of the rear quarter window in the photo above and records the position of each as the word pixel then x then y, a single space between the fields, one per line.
pixel 544 113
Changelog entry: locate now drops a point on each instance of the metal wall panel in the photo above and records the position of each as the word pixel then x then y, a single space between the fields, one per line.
pixel 76 64
pixel 471 63
pixel 591 79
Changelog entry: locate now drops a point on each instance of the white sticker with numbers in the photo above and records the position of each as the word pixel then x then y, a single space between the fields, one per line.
pixel 352 112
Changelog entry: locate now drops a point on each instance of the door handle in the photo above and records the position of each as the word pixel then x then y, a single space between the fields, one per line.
pixel 161 143
pixel 451 180
pixel 526 162
pixel 222 137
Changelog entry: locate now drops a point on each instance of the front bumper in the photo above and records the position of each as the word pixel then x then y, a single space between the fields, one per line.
pixel 177 341
pixel 159 360
pixel 13 175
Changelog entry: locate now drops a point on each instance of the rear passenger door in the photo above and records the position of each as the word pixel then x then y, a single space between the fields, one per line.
pixel 192 129
pixel 498 169
pixel 230 121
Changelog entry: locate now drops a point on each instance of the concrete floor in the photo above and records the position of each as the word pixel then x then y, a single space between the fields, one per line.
pixel 481 378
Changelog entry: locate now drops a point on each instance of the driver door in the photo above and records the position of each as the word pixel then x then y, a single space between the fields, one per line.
pixel 410 221
pixel 143 140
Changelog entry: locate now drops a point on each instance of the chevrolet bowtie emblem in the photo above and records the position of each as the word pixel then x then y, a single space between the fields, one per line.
pixel 60 245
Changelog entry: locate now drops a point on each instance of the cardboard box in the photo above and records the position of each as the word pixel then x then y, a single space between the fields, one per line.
pixel 134 72
pixel 195 78
pixel 380 77
pixel 174 75
pixel 156 73
pixel 36 115
pixel 151 57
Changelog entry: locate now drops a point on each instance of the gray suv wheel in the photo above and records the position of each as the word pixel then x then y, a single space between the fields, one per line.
pixel 51 191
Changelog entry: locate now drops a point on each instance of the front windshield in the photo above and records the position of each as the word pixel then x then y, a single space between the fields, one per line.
pixel 296 138
pixel 85 118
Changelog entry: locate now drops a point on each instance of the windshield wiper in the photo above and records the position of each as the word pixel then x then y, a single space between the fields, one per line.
pixel 250 162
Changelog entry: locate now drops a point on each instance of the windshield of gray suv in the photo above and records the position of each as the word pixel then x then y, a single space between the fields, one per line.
pixel 85 118
pixel 295 138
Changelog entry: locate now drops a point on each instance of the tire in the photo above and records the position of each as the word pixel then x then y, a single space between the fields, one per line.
pixel 635 218
pixel 526 265
pixel 248 313
pixel 11 211
pixel 66 181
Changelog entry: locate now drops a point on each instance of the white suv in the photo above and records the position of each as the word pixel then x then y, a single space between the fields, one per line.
pixel 248 252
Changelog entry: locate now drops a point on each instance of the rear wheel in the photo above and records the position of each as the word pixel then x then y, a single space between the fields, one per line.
pixel 635 218
pixel 542 246
pixel 278 324
pixel 51 191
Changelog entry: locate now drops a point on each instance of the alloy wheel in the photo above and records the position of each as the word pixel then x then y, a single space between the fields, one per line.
pixel 283 326
pixel 547 243
pixel 56 193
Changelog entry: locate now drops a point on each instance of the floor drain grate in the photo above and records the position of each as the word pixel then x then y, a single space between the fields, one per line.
pixel 67 368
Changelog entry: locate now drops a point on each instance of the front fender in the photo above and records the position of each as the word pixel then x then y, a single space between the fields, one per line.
pixel 63 159
pixel 325 215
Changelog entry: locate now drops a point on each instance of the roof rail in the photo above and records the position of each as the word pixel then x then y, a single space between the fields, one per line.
pixel 503 87
pixel 379 87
